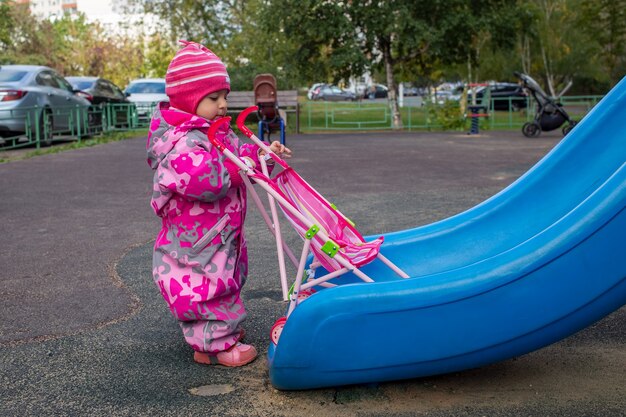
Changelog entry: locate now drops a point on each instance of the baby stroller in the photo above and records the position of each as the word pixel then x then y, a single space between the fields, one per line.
pixel 266 99
pixel 550 114
pixel 327 234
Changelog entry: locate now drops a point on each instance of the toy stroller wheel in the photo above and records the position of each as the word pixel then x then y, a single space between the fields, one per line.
pixel 305 294
pixel 531 129
pixel 277 329
pixel 569 128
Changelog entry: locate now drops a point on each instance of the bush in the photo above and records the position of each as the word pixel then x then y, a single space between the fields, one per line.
pixel 448 115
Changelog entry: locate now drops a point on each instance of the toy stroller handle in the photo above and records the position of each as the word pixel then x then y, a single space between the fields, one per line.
pixel 213 130
pixel 241 120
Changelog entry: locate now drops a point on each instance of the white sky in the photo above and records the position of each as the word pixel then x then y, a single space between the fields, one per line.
pixel 99 10
pixel 102 10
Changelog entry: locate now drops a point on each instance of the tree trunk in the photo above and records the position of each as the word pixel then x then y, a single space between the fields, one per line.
pixel 391 84
pixel 548 71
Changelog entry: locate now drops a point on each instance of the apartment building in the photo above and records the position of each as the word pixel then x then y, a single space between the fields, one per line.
pixel 50 8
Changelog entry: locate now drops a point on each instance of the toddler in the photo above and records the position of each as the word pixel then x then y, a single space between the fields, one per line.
pixel 200 259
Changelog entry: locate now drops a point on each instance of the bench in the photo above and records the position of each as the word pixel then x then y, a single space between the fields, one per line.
pixel 287 103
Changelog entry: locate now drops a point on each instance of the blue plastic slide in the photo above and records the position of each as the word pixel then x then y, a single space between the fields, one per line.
pixel 532 265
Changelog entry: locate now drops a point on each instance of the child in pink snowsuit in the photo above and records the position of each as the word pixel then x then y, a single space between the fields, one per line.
pixel 200 259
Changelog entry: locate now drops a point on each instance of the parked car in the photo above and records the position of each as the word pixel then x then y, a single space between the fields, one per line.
pixel 37 95
pixel 410 90
pixel 505 96
pixel 333 93
pixel 146 93
pixel 376 91
pixel 314 90
pixel 441 96
pixel 100 91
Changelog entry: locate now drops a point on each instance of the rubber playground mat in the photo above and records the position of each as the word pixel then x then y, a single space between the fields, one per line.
pixel 85 331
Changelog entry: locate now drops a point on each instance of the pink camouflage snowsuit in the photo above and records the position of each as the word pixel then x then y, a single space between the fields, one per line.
pixel 200 259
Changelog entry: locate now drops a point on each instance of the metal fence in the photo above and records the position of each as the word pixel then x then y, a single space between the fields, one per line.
pixel 40 127
pixel 427 114
pixel 37 126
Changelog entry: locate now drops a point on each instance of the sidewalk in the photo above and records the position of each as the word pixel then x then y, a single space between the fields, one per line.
pixel 85 332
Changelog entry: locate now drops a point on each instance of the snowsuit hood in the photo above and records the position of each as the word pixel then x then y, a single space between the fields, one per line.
pixel 178 123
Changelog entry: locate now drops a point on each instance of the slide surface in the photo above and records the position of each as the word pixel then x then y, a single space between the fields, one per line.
pixel 532 265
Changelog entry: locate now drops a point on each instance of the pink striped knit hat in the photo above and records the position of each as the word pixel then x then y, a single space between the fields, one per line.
pixel 194 73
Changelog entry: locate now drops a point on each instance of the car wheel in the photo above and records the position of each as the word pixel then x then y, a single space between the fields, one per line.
pixel 44 128
pixel 531 129
pixel 94 118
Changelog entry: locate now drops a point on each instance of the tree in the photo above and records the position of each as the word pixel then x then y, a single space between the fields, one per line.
pixel 25 39
pixel 560 50
pixel 159 53
pixel 210 22
pixel 345 38
pixel 77 43
pixel 6 25
pixel 605 22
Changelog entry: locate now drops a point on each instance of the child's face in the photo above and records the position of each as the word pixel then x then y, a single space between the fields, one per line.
pixel 213 105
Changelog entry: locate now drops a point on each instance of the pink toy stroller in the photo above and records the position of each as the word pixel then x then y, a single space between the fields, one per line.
pixel 330 236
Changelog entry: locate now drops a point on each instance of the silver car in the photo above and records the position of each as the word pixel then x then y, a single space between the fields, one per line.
pixel 37 95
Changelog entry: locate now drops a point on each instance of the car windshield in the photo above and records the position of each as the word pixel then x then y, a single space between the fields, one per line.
pixel 146 88
pixel 11 76
pixel 82 85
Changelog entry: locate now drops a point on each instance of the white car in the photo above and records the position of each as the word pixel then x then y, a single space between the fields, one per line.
pixel 146 93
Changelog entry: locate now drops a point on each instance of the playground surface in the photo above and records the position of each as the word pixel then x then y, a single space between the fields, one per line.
pixel 85 331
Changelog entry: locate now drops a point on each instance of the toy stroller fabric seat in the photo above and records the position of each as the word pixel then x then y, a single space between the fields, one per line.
pixel 327 234
pixel 341 230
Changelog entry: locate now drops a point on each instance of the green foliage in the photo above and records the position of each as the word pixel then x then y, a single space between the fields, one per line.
pixel 6 25
pixel 604 21
pixel 447 115
pixel 158 55
pixel 306 41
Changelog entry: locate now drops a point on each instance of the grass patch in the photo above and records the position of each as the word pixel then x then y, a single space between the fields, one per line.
pixel 18 155
pixel 365 115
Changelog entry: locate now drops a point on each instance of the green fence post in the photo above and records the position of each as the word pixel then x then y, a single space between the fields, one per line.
pixel 37 129
pixel 326 114
pixel 410 121
pixel 510 112
pixel 78 121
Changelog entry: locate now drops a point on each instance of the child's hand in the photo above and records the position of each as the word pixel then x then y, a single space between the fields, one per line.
pixel 249 162
pixel 279 149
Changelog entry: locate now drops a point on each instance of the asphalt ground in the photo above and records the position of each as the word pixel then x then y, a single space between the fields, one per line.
pixel 84 330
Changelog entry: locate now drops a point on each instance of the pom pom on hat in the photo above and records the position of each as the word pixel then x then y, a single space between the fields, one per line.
pixel 194 73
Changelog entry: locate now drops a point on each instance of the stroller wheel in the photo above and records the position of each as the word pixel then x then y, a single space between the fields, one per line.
pixel 531 129
pixel 277 329
pixel 305 294
pixel 569 127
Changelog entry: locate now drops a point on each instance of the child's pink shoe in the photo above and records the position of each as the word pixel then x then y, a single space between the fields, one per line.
pixel 237 355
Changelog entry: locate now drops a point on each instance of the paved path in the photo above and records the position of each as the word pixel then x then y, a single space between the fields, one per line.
pixel 84 330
